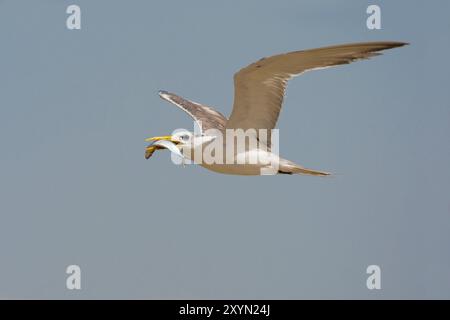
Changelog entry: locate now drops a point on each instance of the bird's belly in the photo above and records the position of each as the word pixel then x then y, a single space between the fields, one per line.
pixel 241 165
pixel 250 163
pixel 236 169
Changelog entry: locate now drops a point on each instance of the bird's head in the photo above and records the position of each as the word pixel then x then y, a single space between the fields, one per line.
pixel 177 141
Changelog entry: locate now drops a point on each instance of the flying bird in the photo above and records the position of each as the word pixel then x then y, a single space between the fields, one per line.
pixel 258 96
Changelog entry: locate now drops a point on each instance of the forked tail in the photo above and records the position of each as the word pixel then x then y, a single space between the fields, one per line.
pixel 289 167
pixel 300 170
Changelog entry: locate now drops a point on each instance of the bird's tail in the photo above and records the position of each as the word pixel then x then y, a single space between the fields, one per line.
pixel 288 167
pixel 300 170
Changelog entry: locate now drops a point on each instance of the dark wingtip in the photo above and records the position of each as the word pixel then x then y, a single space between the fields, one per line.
pixel 397 44
pixel 401 44
pixel 378 47
pixel 160 92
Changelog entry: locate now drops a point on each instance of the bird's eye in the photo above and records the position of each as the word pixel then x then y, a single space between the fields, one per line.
pixel 185 137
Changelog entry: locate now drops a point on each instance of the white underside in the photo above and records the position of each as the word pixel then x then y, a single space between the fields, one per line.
pixel 255 162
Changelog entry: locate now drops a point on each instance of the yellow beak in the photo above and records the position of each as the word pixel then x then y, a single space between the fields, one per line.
pixel 152 148
pixel 168 138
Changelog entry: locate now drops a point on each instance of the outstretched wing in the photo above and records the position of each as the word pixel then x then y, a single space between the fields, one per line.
pixel 206 117
pixel 259 88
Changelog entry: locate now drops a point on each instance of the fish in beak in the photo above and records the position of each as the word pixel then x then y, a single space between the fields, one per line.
pixel 162 142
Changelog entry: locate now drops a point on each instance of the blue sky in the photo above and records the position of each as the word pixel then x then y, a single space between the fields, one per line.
pixel 76 106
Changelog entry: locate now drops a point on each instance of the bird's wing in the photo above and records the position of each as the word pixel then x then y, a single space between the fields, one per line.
pixel 206 117
pixel 259 88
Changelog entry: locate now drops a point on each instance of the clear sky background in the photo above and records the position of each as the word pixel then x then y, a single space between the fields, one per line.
pixel 75 107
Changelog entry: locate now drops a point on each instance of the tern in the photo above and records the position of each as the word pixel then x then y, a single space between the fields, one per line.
pixel 258 97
